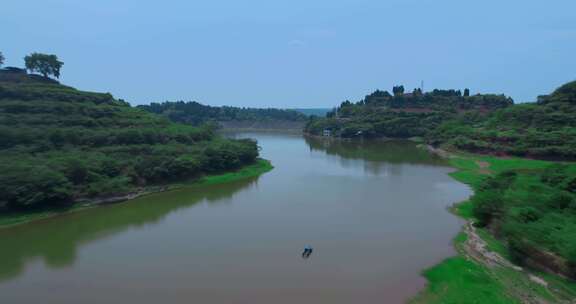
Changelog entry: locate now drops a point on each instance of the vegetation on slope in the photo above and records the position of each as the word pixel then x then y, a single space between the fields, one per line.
pixel 487 175
pixel 534 212
pixel 545 129
pixel 196 114
pixel 320 112
pixel 401 115
pixel 60 144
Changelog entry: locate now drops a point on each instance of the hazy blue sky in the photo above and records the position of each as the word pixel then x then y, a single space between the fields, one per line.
pixel 298 53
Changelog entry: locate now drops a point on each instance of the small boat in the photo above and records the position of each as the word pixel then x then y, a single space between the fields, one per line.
pixel 307 251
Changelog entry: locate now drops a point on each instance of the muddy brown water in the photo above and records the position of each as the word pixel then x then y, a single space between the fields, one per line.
pixel 374 212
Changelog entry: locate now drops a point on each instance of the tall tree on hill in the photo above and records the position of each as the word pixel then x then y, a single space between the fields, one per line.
pixel 398 90
pixel 45 64
pixel 1 59
pixel 466 92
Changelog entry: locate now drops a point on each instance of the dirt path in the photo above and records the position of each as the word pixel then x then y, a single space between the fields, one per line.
pixel 520 283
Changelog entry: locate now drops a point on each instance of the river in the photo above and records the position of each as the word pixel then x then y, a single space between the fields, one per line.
pixel 375 213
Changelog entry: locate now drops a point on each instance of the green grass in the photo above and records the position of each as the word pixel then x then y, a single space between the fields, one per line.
pixel 463 209
pixel 469 172
pixel 258 168
pixel 563 286
pixel 460 280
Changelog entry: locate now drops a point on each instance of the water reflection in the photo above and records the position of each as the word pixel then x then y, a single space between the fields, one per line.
pixel 378 157
pixel 57 240
pixel 375 215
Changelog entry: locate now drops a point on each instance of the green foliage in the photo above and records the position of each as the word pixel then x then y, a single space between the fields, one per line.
pixel 487 205
pixel 401 115
pixel 1 59
pixel 60 145
pixel 565 93
pixel 47 65
pixel 459 280
pixel 529 204
pixel 319 112
pixel 24 187
pixel 546 129
pixel 197 114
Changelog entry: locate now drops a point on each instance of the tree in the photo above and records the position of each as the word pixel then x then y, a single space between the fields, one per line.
pixel 466 92
pixel 487 206
pixel 398 90
pixel 21 190
pixel 1 59
pixel 44 64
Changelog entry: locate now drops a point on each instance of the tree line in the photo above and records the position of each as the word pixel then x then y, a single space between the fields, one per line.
pixel 404 115
pixel 195 113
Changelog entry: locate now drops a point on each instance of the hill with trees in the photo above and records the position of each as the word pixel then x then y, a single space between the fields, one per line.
pixel 542 129
pixel 61 145
pixel 320 112
pixel 194 113
pixel 404 115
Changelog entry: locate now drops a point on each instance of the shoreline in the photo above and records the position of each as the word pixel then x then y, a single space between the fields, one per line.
pixel 481 271
pixel 260 167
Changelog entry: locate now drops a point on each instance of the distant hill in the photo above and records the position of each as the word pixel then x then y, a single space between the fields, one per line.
pixel 196 114
pixel 482 123
pixel 403 115
pixel 320 112
pixel 60 145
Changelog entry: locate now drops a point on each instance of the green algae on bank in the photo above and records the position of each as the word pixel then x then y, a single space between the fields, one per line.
pixel 260 167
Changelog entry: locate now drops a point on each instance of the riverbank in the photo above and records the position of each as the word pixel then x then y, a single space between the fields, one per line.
pixel 482 272
pixel 12 219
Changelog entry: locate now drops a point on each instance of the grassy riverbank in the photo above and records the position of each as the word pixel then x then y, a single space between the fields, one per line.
pixel 472 277
pixel 260 167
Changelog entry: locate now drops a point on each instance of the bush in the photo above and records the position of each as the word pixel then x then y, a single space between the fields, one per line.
pixel 487 206
pixel 25 187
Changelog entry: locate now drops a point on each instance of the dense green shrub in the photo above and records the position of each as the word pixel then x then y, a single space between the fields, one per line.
pixel 59 144
pixel 532 211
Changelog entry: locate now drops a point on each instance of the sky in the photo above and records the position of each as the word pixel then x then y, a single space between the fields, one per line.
pixel 297 53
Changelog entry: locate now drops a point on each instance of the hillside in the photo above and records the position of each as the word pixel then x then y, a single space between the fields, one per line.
pixel 543 129
pixel 403 115
pixel 61 145
pixel 196 114
pixel 320 112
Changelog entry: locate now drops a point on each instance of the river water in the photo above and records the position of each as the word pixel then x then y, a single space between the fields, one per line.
pixel 374 212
